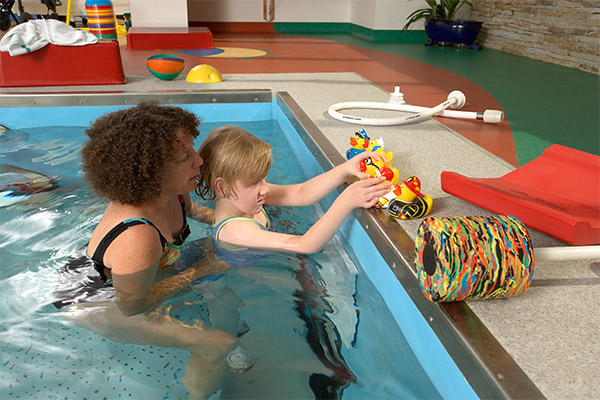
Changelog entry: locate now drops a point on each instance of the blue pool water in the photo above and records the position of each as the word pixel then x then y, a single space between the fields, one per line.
pixel 338 313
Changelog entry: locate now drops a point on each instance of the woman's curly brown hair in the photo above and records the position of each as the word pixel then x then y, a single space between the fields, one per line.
pixel 128 150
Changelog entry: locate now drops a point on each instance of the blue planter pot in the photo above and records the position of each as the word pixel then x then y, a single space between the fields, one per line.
pixel 455 31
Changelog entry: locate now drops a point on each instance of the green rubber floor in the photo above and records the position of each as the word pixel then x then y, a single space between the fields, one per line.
pixel 544 103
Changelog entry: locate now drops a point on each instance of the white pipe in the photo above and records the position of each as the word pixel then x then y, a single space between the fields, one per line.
pixel 488 116
pixel 411 119
pixel 444 113
pixel 567 253
pixel 421 113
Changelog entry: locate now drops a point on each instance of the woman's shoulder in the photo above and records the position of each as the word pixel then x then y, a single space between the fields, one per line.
pixel 121 234
pixel 134 249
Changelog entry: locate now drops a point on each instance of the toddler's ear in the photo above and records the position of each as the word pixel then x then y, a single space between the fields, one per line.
pixel 219 188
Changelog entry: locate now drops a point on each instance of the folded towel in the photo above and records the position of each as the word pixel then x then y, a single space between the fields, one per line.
pixel 35 34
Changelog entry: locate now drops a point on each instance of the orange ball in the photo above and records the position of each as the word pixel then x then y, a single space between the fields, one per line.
pixel 165 66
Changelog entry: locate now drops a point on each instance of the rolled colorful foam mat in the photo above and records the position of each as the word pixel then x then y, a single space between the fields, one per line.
pixel 462 258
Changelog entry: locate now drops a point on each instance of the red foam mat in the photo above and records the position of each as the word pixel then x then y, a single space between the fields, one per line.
pixel 558 193
pixel 169 38
pixel 52 65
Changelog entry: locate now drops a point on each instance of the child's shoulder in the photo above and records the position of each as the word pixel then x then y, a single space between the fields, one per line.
pixel 261 218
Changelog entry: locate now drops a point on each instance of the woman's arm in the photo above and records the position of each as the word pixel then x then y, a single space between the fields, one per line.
pixel 137 292
pixel 133 258
pixel 364 194
pixel 167 288
pixel 315 189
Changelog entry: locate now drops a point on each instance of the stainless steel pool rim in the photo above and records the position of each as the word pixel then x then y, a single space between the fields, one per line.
pixel 489 369
pixel 124 98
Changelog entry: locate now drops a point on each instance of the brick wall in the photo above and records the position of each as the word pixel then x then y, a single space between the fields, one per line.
pixel 565 32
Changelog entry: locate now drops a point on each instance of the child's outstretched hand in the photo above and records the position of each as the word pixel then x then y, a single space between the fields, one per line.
pixel 352 166
pixel 366 193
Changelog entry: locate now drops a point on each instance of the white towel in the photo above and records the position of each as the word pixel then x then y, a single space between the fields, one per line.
pixel 35 34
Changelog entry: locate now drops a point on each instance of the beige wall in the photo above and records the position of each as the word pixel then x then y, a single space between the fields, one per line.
pixel 152 13
pixel 381 14
pixel 372 14
pixel 285 10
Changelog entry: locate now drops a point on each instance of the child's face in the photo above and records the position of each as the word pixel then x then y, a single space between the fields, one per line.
pixel 249 199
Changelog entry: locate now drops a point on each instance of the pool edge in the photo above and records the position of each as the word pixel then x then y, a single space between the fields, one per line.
pixel 125 98
pixel 485 364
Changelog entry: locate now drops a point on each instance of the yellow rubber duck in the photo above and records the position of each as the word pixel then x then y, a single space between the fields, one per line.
pixel 361 142
pixel 410 203
pixel 377 168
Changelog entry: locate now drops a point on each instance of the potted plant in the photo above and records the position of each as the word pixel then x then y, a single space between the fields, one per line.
pixel 441 24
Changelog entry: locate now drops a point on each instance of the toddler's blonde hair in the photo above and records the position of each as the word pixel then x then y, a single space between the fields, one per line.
pixel 235 155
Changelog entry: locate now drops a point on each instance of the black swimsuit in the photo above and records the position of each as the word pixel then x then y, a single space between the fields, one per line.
pixel 84 279
pixel 170 250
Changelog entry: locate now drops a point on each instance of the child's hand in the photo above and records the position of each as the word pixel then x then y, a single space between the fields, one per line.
pixel 353 165
pixel 367 192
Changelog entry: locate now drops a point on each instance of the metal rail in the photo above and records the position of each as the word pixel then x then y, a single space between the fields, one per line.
pixel 118 98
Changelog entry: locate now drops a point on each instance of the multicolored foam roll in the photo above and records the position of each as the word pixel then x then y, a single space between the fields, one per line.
pixel 101 18
pixel 464 258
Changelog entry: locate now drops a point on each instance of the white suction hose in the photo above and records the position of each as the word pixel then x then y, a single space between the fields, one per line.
pixel 456 99
pixel 567 253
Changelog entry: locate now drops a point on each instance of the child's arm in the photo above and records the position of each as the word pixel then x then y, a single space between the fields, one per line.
pixel 364 194
pixel 315 189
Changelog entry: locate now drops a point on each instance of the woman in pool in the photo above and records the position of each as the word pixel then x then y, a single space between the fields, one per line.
pixel 235 166
pixel 142 159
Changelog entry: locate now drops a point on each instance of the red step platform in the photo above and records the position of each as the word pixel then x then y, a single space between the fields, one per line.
pixel 169 38
pixel 558 193
pixel 52 65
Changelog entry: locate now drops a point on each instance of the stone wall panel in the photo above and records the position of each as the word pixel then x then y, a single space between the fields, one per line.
pixel 565 32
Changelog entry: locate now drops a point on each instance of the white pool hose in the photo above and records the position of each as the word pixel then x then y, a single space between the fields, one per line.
pixel 456 99
pixel 567 253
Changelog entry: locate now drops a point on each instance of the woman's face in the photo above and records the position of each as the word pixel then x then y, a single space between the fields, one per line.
pixel 181 174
